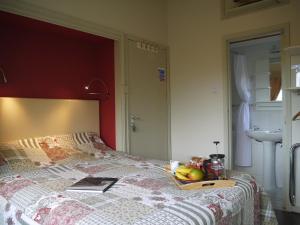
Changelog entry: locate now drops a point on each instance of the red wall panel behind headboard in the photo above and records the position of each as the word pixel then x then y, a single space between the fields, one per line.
pixel 43 60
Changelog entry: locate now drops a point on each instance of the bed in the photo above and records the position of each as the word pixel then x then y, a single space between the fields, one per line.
pixel 36 171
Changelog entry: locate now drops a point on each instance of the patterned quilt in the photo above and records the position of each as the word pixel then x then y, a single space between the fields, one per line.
pixel 36 171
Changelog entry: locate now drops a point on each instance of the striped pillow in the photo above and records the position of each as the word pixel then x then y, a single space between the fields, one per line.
pixel 84 142
pixel 65 140
pixel 29 143
pixel 86 137
pixel 81 138
pixel 90 142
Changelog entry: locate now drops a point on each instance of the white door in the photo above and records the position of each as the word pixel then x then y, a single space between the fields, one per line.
pixel 147 100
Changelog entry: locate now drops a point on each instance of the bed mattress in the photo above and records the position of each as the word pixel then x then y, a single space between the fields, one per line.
pixel 35 173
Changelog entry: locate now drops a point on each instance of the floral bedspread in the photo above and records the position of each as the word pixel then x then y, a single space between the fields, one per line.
pixel 35 173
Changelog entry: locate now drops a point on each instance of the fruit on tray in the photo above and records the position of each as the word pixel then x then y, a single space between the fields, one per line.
pixel 188 174
pixel 184 170
pixel 179 176
pixel 196 174
pixel 197 162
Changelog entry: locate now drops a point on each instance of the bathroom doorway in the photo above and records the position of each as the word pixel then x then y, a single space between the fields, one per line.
pixel 256 109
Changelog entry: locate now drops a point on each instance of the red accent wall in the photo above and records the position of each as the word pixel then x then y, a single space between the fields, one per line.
pixel 43 60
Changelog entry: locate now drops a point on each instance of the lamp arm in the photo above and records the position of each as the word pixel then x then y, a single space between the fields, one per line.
pixel 3 75
pixel 101 81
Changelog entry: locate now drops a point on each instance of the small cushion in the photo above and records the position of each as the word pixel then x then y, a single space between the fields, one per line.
pixel 54 151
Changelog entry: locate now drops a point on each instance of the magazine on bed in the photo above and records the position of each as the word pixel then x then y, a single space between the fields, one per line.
pixel 93 184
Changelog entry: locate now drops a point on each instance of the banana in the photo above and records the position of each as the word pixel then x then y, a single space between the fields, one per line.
pixel 183 170
pixel 181 177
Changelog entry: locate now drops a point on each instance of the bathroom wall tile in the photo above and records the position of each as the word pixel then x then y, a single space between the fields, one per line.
pixel 262 80
pixel 262 94
pixel 262 65
pixel 267 120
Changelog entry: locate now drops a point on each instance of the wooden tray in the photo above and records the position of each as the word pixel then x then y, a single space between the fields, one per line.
pixel 204 184
pixel 201 184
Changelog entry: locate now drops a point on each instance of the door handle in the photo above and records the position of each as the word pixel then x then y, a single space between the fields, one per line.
pixel 133 118
pixel 292 191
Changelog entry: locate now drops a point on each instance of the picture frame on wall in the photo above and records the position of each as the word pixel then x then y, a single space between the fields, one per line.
pixel 232 8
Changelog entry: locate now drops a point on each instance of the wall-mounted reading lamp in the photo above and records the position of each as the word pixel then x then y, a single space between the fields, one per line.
pixel 3 79
pixel 98 88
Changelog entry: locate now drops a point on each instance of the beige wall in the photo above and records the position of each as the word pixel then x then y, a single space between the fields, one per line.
pixel 142 18
pixel 195 33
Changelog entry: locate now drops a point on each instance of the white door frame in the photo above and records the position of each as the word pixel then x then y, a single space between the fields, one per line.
pixel 161 46
pixel 39 13
pixel 290 52
pixel 284 30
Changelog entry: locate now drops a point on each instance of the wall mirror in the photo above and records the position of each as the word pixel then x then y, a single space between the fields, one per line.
pixel 268 91
pixel 275 82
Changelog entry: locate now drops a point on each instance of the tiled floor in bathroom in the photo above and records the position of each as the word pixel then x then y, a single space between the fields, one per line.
pixel 283 217
pixel 287 218
pixel 277 198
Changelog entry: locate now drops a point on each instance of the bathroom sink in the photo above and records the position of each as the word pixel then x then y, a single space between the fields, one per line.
pixel 264 135
pixel 268 139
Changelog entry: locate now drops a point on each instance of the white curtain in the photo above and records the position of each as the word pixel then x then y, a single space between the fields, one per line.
pixel 243 154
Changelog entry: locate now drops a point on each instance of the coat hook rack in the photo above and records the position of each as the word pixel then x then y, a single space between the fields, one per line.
pixel 4 79
pixel 296 117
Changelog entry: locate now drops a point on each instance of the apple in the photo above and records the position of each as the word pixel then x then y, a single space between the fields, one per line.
pixel 196 174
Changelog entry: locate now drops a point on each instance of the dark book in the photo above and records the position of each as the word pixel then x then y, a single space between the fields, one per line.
pixel 93 184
